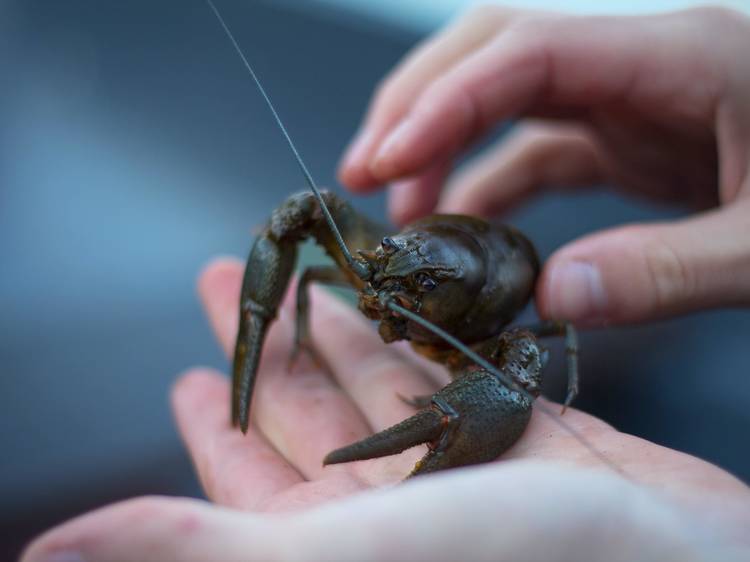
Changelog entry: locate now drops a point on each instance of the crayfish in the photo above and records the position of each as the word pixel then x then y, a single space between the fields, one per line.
pixel 450 284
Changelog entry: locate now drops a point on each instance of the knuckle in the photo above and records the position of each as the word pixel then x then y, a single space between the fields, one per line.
pixel 669 274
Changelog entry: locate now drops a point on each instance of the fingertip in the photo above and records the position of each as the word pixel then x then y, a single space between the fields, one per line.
pixel 200 398
pixel 405 151
pixel 217 273
pixel 219 288
pixel 353 169
pixel 357 179
pixel 627 274
pixel 572 289
pixel 196 384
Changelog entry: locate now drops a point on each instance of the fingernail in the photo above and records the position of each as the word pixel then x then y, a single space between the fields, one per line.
pixel 382 163
pixel 576 292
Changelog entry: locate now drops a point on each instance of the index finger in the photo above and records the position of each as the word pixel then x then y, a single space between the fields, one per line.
pixel 396 93
pixel 555 64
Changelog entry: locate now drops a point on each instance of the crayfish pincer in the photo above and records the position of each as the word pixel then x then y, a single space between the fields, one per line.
pixel 442 277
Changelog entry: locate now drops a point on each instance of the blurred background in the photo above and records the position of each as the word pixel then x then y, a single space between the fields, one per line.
pixel 134 147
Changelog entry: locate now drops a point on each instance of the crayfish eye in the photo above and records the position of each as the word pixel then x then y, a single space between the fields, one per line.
pixel 425 282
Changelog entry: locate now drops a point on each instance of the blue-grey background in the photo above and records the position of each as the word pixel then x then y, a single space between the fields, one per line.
pixel 133 147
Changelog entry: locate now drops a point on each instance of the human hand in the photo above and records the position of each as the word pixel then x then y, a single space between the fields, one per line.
pixel 547 498
pixel 658 106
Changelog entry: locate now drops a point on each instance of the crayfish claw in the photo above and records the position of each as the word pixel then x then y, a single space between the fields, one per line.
pixel 424 426
pixel 483 419
pixel 247 352
pixel 474 419
pixel 267 274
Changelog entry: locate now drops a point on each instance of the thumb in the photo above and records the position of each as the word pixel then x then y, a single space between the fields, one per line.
pixel 641 272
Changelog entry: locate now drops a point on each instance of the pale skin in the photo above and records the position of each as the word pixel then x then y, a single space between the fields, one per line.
pixel 547 498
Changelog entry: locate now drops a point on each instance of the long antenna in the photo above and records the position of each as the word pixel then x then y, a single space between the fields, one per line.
pixel 505 379
pixel 360 269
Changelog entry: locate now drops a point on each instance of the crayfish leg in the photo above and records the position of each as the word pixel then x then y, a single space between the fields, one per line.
pixel 328 275
pixel 551 328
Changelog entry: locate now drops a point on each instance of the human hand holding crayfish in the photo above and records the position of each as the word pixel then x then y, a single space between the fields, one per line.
pixel 652 102
pixel 658 106
pixel 273 498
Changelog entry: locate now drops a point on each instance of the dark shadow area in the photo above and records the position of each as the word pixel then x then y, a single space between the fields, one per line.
pixel 133 147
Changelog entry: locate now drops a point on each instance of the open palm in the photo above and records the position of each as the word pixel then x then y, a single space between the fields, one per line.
pixel 546 486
